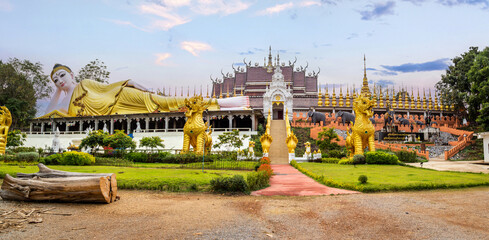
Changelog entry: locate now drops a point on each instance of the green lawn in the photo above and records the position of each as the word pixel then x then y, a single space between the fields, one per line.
pixel 174 180
pixel 389 177
pixel 238 165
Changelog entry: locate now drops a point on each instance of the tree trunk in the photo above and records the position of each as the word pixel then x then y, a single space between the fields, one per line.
pixel 48 184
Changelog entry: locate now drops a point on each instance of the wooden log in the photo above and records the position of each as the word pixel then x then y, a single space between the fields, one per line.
pixel 68 189
pixel 49 184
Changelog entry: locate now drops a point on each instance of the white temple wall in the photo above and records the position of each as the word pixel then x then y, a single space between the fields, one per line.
pixel 172 140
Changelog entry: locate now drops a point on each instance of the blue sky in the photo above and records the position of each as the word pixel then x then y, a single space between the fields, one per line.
pixel 180 43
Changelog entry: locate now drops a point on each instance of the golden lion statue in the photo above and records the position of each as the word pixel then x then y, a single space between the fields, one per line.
pixel 5 122
pixel 363 130
pixel 194 131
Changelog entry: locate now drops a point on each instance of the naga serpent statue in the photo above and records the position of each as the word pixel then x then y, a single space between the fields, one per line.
pixel 5 122
pixel 266 139
pixel 363 130
pixel 291 139
pixel 194 131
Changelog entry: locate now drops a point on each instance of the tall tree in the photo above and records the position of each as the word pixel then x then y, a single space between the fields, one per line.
pixel 18 94
pixel 478 76
pixel 33 73
pixel 95 70
pixel 455 85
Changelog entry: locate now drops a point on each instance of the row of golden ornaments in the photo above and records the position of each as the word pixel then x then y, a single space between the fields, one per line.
pixel 385 100
pixel 234 94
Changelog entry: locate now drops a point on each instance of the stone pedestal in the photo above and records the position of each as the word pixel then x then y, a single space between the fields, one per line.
pixel 291 157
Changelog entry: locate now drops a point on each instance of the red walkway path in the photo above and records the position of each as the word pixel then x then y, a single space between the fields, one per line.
pixel 288 181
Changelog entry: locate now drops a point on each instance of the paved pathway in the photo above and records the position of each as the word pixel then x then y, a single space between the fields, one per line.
pixel 288 181
pixel 458 166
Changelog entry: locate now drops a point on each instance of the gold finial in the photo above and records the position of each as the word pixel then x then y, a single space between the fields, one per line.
pixel 188 91
pixel 381 97
pixel 341 96
pixel 424 99
pixel 326 96
pixel 334 97
pixel 220 92
pixel 394 102
pixel 207 92
pixel 365 90
pixel 320 100
pixel 242 87
pixel 181 93
pixel 413 105
pixel 436 101
pixel 418 102
pixel 214 91
pixel 347 96
pixel 227 90
pixel 430 101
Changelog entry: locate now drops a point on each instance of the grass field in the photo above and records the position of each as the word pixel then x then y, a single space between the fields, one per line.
pixel 389 177
pixel 174 180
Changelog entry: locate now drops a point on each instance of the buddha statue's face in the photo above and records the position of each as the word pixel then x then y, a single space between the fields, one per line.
pixel 63 80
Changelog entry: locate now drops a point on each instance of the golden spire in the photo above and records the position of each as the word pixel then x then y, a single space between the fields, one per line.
pixel 214 92
pixel 341 97
pixel 418 102
pixel 430 102
pixel 386 97
pixel 365 89
pixel 220 92
pixel 270 63
pixel 188 91
pixel 334 98
pixel 242 90
pixel 320 100
pixel 399 98
pixel 424 99
pixel 207 94
pixel 413 104
pixel 381 100
pixel 175 92
pixel 326 96
pixel 164 91
pixel 347 96
pixel 181 93
pixel 436 101
pixel 354 90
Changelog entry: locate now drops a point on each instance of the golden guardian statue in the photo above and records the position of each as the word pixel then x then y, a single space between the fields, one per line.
pixel 5 122
pixel 195 129
pixel 363 131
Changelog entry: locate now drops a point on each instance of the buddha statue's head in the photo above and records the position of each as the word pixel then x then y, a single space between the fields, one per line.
pixel 62 77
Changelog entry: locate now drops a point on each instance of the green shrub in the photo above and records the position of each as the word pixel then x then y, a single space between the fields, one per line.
pixel 337 153
pixel 8 158
pixel 234 184
pixel 359 159
pixel 137 157
pixel 381 158
pixel 257 180
pixel 103 161
pixel 407 156
pixel 23 149
pixel 77 158
pixel 363 179
pixel 346 161
pixel 159 157
pixel 53 159
pixel 27 156
pixel 330 160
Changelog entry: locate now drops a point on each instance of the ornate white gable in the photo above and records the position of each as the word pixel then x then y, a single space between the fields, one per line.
pixel 277 93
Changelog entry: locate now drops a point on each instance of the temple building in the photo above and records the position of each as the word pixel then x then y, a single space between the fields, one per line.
pixel 253 80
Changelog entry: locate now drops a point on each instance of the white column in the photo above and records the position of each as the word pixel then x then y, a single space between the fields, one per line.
pixel 128 125
pixel 42 127
pixel 147 124
pixel 30 127
pixel 96 124
pixel 80 128
pixel 230 118
pixel 253 128
pixel 111 126
pixel 167 119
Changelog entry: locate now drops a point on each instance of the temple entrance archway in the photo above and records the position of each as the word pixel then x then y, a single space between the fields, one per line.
pixel 278 111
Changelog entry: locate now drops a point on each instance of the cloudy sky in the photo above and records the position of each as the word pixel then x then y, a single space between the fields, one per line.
pixel 177 43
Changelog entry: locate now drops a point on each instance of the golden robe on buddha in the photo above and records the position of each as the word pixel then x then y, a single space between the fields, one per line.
pixel 91 98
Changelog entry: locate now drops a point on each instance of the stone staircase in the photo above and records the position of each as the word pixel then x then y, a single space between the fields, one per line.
pixel 279 153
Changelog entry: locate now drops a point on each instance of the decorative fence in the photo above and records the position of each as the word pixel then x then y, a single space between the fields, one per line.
pixel 397 148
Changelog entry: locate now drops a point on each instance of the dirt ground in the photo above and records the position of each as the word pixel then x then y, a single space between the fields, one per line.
pixel 441 214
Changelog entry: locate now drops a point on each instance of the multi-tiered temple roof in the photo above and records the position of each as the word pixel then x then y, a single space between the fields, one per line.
pixel 252 80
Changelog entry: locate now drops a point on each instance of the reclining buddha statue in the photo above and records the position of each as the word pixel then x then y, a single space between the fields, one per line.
pixel 91 98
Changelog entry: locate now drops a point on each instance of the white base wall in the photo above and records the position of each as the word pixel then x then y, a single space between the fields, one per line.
pixel 171 140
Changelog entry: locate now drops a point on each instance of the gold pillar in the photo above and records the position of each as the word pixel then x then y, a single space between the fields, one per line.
pixel 381 97
pixel 418 103
pixel 326 97
pixel 430 101
pixel 334 98
pixel 413 104
pixel 320 99
pixel 424 99
pixel 347 97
